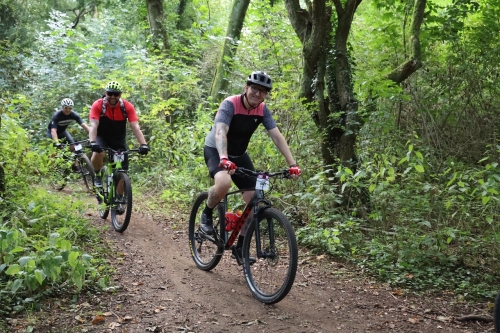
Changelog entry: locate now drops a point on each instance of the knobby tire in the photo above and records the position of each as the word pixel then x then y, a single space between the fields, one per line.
pixel 206 250
pixel 87 171
pixel 270 279
pixel 121 205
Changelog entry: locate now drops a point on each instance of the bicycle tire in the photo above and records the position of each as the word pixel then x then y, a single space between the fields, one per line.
pixel 58 178
pixel 496 314
pixel 86 169
pixel 206 250
pixel 103 206
pixel 271 278
pixel 121 205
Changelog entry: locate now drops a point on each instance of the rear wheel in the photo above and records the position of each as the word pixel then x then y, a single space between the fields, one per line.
pixel 102 195
pixel 206 250
pixel 86 169
pixel 271 277
pixel 121 203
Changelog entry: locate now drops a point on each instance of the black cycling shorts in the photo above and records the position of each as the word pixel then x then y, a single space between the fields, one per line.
pixel 116 145
pixel 212 160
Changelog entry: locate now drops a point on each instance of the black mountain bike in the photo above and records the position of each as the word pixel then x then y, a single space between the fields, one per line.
pixel 116 191
pixel 269 253
pixel 75 162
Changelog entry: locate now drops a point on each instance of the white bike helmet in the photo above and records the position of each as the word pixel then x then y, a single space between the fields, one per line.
pixel 67 102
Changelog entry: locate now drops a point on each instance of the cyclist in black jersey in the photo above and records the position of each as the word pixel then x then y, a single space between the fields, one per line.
pixel 61 119
pixel 108 120
pixel 225 145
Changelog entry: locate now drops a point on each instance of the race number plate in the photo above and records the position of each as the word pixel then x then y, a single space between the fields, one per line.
pixel 78 147
pixel 262 182
pixel 119 157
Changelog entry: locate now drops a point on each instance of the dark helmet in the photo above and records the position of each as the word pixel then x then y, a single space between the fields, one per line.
pixel 113 86
pixel 260 78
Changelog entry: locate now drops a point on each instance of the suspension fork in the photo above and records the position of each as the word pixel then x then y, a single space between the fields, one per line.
pixel 259 204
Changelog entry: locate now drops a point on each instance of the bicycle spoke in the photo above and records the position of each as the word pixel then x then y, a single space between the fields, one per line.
pixel 121 205
pixel 205 250
pixel 87 172
pixel 271 277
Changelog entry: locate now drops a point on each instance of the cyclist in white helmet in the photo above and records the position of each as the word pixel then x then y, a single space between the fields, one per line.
pixel 61 119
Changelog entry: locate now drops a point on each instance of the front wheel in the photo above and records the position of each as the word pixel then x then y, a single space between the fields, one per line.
pixel 271 276
pixel 87 171
pixel 121 203
pixel 206 250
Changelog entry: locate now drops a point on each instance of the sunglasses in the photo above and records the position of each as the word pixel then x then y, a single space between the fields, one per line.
pixel 113 94
pixel 256 91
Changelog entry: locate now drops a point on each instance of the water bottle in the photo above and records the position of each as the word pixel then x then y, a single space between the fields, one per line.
pixel 232 219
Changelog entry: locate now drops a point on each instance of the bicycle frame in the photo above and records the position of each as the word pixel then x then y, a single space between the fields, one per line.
pixel 257 198
pixel 114 164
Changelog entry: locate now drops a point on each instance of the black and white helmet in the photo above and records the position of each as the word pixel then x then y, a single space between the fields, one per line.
pixel 260 78
pixel 67 102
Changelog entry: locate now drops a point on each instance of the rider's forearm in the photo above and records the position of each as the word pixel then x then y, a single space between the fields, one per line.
pixel 282 145
pixel 93 129
pixel 285 151
pixel 138 133
pixel 85 127
pixel 221 138
pixel 53 133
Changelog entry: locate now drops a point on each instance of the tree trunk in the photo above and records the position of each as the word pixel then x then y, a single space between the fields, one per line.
pixel 184 21
pixel 220 83
pixel 313 28
pixel 157 25
pixel 411 66
pixel 345 140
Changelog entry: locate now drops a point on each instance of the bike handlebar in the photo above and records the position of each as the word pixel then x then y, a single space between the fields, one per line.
pixel 247 172
pixel 112 151
pixel 74 143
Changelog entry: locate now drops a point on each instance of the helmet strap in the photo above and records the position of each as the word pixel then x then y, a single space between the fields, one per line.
pixel 252 107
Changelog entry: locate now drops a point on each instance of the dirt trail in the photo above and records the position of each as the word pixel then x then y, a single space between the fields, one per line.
pixel 161 290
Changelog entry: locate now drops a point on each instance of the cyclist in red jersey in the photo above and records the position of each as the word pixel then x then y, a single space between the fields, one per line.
pixel 225 146
pixel 108 124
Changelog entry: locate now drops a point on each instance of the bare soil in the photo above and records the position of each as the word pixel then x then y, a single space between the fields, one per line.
pixel 159 289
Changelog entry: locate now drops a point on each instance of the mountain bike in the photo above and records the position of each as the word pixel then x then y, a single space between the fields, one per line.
pixel 116 191
pixel 80 164
pixel 269 253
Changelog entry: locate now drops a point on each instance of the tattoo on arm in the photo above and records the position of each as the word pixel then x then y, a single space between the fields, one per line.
pixel 221 130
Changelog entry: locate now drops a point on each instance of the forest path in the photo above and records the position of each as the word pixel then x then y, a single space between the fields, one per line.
pixel 160 289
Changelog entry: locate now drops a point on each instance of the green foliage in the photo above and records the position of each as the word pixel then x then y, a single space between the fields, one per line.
pixel 418 210
pixel 43 236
